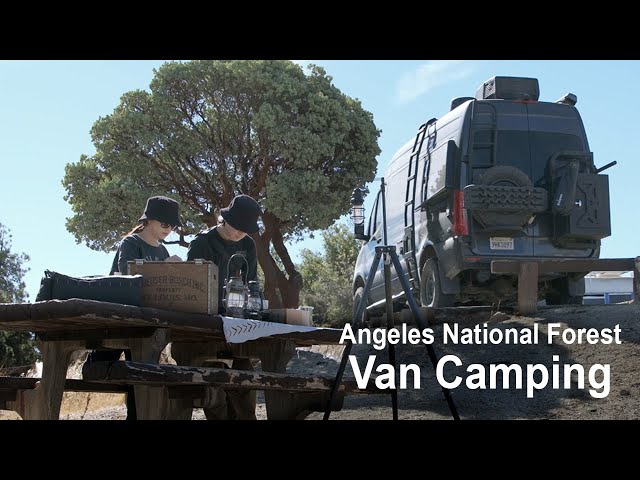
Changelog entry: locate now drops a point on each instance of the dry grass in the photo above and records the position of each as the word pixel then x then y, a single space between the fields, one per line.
pixel 9 415
pixel 78 404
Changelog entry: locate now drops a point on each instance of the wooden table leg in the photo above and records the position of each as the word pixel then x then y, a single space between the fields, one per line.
pixel 44 401
pixel 280 405
pixel 196 354
pixel 274 357
pixel 528 288
pixel 151 402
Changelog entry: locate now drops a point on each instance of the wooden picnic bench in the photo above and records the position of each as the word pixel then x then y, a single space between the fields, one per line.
pixel 192 384
pixel 528 270
pixel 65 326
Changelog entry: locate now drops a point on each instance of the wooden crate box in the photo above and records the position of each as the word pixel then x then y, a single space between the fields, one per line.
pixel 181 286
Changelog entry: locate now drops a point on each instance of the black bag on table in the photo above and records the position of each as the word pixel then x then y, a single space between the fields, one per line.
pixel 124 289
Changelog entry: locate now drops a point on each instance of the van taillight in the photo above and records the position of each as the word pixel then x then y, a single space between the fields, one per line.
pixel 460 225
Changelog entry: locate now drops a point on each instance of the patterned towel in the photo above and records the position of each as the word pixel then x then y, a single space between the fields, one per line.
pixel 238 330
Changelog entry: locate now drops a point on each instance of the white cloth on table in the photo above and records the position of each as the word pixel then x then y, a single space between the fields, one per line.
pixel 239 330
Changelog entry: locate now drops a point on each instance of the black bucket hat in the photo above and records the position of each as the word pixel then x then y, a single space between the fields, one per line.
pixel 242 214
pixel 162 209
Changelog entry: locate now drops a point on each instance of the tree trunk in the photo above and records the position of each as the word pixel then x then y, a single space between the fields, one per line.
pixel 289 287
pixel 269 268
pixel 281 289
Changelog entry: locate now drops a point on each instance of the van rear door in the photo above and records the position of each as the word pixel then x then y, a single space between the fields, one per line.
pixel 499 143
pixel 553 128
pixel 511 146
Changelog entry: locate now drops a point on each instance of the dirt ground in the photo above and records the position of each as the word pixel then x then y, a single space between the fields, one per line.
pixel 623 401
pixel 427 402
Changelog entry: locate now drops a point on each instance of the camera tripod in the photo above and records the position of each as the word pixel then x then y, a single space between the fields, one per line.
pixel 388 255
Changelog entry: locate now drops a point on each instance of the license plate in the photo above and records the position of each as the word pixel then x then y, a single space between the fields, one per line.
pixel 501 243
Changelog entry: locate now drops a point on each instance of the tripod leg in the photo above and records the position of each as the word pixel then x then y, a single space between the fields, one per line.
pixel 356 326
pixel 391 347
pixel 416 312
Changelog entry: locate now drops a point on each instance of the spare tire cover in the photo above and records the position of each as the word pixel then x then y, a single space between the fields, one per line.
pixel 504 176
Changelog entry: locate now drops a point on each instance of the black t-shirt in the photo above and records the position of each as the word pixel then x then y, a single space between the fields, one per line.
pixel 133 247
pixel 209 245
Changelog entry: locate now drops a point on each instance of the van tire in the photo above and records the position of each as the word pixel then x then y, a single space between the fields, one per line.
pixel 505 176
pixel 431 289
pixel 356 301
pixel 560 294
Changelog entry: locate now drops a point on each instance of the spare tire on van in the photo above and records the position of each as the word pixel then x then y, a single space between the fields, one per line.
pixel 504 199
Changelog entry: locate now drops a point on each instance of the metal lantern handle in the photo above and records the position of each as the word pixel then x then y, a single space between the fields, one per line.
pixel 245 262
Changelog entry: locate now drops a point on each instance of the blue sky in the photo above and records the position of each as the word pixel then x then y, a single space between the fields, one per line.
pixel 47 109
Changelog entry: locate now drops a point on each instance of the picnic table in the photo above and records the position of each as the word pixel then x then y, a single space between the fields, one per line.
pixel 164 391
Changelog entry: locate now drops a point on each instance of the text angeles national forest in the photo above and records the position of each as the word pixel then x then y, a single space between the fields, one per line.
pixel 481 376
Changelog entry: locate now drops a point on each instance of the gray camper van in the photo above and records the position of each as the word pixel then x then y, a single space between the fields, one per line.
pixel 500 176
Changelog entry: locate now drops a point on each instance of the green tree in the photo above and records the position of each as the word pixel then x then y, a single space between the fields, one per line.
pixel 209 130
pixel 328 276
pixel 16 348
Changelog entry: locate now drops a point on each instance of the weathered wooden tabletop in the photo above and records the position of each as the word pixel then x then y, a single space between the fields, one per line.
pixel 78 318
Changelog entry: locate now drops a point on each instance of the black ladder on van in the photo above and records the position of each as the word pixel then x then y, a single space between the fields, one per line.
pixel 409 242
pixel 484 136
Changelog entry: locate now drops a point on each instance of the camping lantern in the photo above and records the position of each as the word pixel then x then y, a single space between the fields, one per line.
pixel 235 291
pixel 357 212
pixel 235 297
pixel 254 300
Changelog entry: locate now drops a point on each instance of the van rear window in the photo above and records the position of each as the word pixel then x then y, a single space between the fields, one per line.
pixel 510 147
pixel 545 144
pixel 528 151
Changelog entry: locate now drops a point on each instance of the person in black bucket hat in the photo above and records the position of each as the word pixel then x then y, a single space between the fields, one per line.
pixel 161 216
pixel 218 244
pixel 163 209
pixel 229 237
pixel 242 214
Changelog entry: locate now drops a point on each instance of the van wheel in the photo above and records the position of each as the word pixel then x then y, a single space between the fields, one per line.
pixel 356 301
pixel 430 288
pixel 560 294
